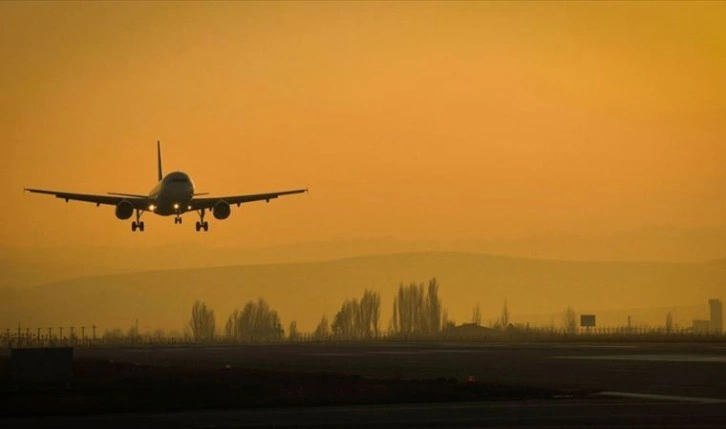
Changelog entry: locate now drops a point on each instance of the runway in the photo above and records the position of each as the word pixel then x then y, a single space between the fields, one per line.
pixel 540 414
pixel 687 370
pixel 613 385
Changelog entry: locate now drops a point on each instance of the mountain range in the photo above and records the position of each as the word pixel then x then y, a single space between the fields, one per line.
pixel 536 290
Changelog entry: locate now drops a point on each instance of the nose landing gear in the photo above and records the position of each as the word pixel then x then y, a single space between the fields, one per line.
pixel 177 219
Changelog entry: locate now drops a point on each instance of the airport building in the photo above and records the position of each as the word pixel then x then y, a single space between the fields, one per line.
pixel 716 307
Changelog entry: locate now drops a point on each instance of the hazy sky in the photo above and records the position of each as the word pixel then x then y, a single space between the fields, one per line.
pixel 406 120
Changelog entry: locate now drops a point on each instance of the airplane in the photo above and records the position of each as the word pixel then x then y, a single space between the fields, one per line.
pixel 173 195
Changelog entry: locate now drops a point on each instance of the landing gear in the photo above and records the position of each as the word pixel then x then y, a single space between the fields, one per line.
pixel 201 223
pixel 137 224
pixel 177 219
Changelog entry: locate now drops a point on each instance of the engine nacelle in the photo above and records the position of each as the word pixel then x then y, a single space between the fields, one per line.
pixel 124 209
pixel 221 210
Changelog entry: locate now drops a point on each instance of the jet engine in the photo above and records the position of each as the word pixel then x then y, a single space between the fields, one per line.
pixel 124 209
pixel 221 210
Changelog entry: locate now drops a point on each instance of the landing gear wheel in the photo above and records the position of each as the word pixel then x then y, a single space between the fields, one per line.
pixel 137 224
pixel 201 223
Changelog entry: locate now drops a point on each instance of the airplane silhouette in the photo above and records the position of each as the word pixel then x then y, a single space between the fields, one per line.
pixel 173 195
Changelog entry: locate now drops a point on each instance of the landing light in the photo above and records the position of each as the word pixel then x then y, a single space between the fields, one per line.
pixel 189 207
pixel 152 207
pixel 176 206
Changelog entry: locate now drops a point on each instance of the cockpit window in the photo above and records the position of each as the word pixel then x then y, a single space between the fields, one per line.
pixel 177 177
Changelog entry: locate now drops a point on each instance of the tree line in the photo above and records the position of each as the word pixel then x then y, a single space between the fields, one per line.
pixel 417 311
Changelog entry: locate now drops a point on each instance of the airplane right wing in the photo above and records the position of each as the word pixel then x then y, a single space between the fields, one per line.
pixel 139 203
pixel 209 202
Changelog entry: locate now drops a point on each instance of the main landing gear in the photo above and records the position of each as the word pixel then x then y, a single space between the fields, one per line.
pixel 201 223
pixel 137 224
pixel 177 219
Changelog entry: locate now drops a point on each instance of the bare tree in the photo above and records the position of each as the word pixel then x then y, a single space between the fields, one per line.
pixel 322 331
pixel 369 311
pixel 358 319
pixel 416 312
pixel 476 315
pixel 202 322
pixel 346 321
pixel 293 333
pixel 505 315
pixel 256 321
pixel 408 309
pixel 569 320
pixel 230 328
pixel 433 305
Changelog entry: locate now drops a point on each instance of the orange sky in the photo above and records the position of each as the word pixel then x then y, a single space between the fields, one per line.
pixel 405 120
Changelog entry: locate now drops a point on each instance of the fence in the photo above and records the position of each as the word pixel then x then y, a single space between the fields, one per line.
pixel 69 337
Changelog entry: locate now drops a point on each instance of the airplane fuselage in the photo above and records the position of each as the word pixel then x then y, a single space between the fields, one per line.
pixel 172 195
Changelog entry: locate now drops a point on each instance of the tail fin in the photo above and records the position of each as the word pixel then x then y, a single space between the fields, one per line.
pixel 158 158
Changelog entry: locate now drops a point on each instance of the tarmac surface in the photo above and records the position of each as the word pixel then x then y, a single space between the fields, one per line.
pixel 631 385
pixel 686 370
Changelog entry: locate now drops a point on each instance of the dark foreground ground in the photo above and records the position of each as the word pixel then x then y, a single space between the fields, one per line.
pixel 415 385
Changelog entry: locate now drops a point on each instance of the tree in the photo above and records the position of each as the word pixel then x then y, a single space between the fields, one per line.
pixel 505 315
pixel 202 322
pixel 358 319
pixel 476 315
pixel 416 312
pixel 292 333
pixel 669 322
pixel 256 321
pixel 230 328
pixel 345 322
pixel 405 312
pixel 569 320
pixel 322 331
pixel 369 311
pixel 433 305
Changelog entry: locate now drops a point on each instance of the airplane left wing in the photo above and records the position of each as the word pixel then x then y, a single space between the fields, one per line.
pixel 209 202
pixel 139 203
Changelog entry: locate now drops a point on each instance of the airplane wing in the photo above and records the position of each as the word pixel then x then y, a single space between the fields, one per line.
pixel 138 202
pixel 209 202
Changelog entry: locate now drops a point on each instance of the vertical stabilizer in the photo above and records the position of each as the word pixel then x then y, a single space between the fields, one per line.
pixel 158 159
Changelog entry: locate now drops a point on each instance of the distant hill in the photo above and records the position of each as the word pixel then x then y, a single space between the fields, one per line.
pixel 540 289
pixel 31 266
